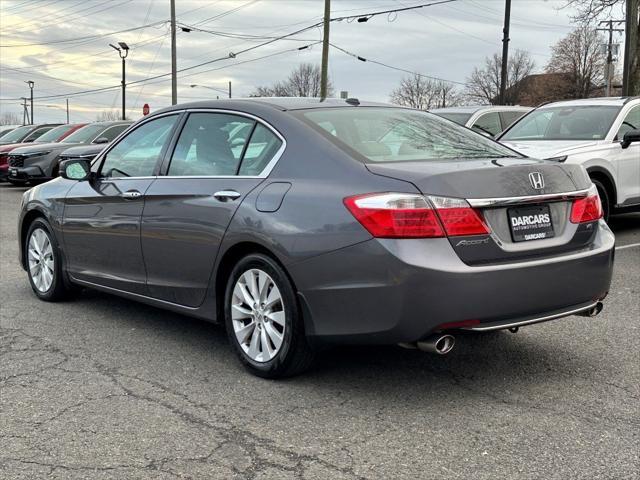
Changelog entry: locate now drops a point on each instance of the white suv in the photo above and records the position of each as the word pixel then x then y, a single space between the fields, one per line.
pixel 602 134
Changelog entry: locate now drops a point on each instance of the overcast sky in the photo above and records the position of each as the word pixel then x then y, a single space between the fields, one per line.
pixel 445 41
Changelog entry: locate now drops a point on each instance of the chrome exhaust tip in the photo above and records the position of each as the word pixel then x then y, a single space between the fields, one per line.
pixel 593 311
pixel 438 344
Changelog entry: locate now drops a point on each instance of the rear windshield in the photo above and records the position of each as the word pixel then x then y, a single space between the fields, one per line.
pixel 588 122
pixel 459 118
pixel 54 134
pixel 85 134
pixel 382 134
pixel 17 134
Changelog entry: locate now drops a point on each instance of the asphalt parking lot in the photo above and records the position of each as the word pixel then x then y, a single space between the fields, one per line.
pixel 105 388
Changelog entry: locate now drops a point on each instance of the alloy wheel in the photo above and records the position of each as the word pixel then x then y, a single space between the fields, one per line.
pixel 258 315
pixel 41 261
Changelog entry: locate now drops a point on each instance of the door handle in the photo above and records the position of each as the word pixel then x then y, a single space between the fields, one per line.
pixel 131 194
pixel 224 195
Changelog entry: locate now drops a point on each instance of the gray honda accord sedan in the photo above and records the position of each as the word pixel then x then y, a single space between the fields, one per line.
pixel 301 223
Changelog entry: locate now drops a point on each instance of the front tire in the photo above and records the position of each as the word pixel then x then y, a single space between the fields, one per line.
pixel 43 261
pixel 263 319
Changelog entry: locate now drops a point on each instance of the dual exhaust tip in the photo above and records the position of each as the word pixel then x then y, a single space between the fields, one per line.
pixel 441 344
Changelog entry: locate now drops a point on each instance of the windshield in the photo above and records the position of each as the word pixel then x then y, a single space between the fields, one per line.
pixel 84 135
pixel 54 134
pixel 589 122
pixel 459 118
pixel 17 134
pixel 395 135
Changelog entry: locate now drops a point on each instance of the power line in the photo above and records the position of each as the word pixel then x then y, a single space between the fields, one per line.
pixel 92 37
pixel 386 65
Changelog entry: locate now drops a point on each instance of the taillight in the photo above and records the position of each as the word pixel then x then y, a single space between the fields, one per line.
pixel 587 209
pixel 458 218
pixel 403 215
pixel 395 215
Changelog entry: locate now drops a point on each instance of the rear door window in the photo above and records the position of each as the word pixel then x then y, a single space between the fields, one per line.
pixel 112 132
pixel 509 117
pixel 210 144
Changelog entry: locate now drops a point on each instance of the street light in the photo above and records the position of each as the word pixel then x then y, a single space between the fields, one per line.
pixel 193 85
pixel 123 51
pixel 31 83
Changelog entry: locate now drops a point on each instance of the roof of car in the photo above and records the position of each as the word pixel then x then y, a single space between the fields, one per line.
pixel 476 108
pixel 613 101
pixel 280 103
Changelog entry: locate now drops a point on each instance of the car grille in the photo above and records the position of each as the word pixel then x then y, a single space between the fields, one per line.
pixel 16 161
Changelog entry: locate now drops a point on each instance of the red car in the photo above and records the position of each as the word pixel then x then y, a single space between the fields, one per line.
pixel 54 135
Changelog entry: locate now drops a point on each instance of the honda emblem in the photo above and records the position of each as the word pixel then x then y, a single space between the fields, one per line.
pixel 537 180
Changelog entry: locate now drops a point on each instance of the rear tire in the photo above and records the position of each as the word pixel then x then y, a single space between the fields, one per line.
pixel 44 262
pixel 605 198
pixel 263 319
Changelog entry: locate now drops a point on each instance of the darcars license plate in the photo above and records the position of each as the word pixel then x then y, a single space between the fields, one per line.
pixel 13 172
pixel 530 223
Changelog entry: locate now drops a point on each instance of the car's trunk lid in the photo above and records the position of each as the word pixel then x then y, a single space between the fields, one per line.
pixel 508 182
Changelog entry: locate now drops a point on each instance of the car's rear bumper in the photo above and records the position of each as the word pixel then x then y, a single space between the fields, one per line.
pixel 390 291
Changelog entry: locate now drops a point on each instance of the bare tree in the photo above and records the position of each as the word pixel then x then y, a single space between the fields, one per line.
pixel 580 58
pixel 304 81
pixel 590 10
pixel 484 83
pixel 108 116
pixel 10 118
pixel 423 93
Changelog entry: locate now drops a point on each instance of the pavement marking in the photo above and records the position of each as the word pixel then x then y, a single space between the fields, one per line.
pixel 631 245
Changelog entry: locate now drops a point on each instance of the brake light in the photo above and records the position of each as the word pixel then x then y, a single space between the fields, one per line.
pixel 395 215
pixel 587 209
pixel 402 215
pixel 458 218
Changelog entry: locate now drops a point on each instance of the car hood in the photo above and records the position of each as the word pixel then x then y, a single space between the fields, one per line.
pixel 549 148
pixel 42 147
pixel 10 146
pixel 82 150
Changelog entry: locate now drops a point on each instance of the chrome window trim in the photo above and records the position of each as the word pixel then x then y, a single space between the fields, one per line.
pixel 504 201
pixel 267 169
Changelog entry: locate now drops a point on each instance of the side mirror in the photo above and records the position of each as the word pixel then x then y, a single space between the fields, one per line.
pixel 75 169
pixel 101 140
pixel 630 137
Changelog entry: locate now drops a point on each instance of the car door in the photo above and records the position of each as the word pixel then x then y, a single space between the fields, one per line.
pixel 101 223
pixel 217 160
pixel 628 161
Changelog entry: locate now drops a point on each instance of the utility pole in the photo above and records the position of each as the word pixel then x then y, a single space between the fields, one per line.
pixel 174 64
pixel 25 112
pixel 505 51
pixel 229 88
pixel 324 78
pixel 31 83
pixel 630 73
pixel 609 29
pixel 67 111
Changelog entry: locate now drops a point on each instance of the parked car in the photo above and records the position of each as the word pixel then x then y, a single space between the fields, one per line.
pixel 4 129
pixel 40 162
pixel 88 152
pixel 26 133
pixel 317 231
pixel 489 120
pixel 56 134
pixel 597 133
